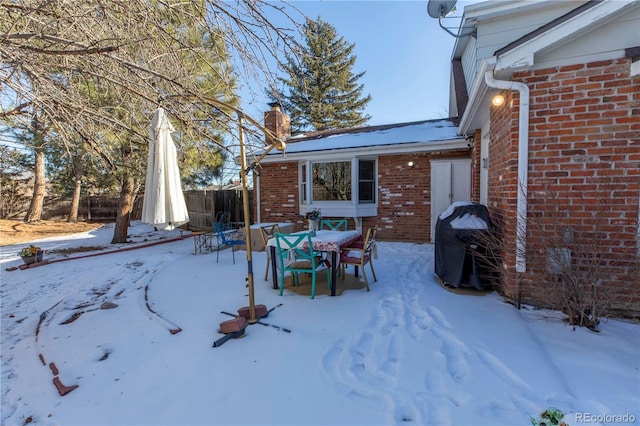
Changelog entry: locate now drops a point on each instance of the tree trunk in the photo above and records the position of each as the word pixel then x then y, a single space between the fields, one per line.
pixel 124 210
pixel 37 200
pixel 75 199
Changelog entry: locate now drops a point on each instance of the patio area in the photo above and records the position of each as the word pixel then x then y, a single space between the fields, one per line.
pixel 406 352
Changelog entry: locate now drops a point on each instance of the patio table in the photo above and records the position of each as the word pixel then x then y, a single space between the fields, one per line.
pixel 326 241
pixel 202 240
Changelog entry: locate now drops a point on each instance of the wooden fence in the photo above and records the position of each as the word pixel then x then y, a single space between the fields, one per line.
pixel 90 209
pixel 202 206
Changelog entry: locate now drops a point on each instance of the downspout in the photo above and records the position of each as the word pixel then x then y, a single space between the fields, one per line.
pixel 523 163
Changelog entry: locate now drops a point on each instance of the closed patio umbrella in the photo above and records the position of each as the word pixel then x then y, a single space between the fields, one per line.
pixel 163 205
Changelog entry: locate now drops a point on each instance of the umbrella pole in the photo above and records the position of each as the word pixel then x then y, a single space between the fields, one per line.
pixel 247 222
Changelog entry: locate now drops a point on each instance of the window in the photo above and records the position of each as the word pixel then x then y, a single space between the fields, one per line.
pixel 331 181
pixel 303 183
pixel 366 181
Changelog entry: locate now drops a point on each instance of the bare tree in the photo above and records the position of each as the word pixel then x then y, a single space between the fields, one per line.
pixel 54 53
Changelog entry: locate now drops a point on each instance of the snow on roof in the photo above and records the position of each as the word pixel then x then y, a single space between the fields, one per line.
pixel 395 134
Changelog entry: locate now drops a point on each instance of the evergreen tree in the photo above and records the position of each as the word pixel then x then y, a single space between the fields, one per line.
pixel 321 89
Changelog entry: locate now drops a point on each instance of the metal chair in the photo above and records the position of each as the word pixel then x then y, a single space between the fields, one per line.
pixel 223 217
pixel 360 256
pixel 334 224
pixel 268 232
pixel 223 233
pixel 295 258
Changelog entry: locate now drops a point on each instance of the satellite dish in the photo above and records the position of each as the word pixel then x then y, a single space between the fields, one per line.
pixel 440 8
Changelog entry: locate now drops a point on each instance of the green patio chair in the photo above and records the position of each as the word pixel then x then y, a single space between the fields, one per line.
pixel 334 224
pixel 295 258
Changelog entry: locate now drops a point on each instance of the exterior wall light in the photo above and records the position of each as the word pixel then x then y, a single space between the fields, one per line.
pixel 410 164
pixel 498 100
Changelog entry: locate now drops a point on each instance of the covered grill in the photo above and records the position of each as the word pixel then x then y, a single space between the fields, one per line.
pixel 461 237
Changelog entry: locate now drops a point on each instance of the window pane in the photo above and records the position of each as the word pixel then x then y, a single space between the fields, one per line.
pixel 366 181
pixel 332 181
pixel 366 169
pixel 365 190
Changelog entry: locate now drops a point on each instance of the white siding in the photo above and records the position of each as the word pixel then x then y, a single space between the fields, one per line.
pixel 495 34
pixel 604 43
pixel 470 63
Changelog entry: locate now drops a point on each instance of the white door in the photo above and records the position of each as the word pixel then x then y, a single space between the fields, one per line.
pixel 450 182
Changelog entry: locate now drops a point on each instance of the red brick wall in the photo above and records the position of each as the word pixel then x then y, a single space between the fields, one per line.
pixel 279 197
pixel 503 183
pixel 584 166
pixel 476 164
pixel 404 206
pixel 404 198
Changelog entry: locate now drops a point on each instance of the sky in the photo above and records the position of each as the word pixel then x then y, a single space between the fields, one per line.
pixel 402 50
pixel 408 352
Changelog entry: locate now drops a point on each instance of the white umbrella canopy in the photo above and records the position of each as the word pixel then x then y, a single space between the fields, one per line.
pixel 163 205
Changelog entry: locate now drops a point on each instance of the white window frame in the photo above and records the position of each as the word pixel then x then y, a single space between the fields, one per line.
pixel 350 208
pixel 303 182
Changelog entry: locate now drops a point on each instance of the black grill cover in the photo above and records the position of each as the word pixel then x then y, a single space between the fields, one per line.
pixel 456 263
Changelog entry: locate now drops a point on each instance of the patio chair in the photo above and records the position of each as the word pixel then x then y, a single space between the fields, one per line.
pixel 268 232
pixel 334 224
pixel 294 258
pixel 223 217
pixel 223 234
pixel 360 256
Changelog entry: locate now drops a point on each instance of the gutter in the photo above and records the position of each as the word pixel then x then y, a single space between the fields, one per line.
pixel 523 160
pixel 404 148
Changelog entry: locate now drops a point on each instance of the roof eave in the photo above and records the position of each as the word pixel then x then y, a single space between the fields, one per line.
pixel 522 56
pixel 391 149
pixel 476 113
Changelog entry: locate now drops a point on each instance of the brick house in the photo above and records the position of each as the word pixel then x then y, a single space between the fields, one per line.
pixel 378 176
pixel 557 162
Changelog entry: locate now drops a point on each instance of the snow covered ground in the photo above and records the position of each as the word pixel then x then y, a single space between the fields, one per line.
pixel 407 352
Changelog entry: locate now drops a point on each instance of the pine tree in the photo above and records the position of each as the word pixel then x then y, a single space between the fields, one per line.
pixel 321 89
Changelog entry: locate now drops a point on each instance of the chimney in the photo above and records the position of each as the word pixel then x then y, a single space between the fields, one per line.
pixel 277 122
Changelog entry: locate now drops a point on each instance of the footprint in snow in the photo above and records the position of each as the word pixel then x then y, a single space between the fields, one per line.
pixel 455 353
pixel 392 364
pixel 438 317
pixel 501 370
